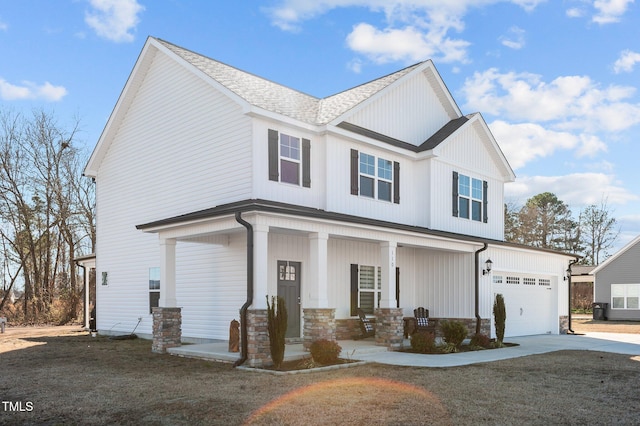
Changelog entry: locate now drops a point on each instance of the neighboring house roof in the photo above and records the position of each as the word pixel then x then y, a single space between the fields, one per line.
pixel 577 270
pixel 615 256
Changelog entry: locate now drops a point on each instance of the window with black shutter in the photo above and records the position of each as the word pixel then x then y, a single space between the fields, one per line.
pixel 289 159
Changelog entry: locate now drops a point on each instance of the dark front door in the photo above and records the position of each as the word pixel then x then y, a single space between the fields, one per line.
pixel 289 290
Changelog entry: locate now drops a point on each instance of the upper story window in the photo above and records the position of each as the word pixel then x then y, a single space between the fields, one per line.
pixel 375 177
pixel 469 198
pixel 289 159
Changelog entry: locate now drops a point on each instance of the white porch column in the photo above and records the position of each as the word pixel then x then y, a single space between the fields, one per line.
pixel 260 266
pixel 167 273
pixel 388 274
pixel 318 287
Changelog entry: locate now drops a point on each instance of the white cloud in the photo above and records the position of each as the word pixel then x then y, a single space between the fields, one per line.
pixel 626 62
pixel 3 26
pixel 566 103
pixel 522 143
pixel 407 44
pixel 114 19
pixel 29 90
pixel 414 30
pixel 609 11
pixel 576 189
pixel 355 66
pixel 575 12
pixel 514 39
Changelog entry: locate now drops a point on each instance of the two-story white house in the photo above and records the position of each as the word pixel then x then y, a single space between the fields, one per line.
pixel 216 188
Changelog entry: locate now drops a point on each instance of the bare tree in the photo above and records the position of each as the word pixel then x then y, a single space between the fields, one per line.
pixel 599 232
pixel 43 208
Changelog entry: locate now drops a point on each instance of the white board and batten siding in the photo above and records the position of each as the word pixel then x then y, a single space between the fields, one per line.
pixel 410 112
pixel 164 161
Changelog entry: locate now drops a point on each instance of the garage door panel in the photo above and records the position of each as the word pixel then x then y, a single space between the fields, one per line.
pixel 528 303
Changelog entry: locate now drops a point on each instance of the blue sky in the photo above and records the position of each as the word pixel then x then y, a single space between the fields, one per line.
pixel 558 82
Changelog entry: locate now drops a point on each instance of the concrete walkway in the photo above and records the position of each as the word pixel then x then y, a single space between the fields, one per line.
pixel 365 350
pixel 529 345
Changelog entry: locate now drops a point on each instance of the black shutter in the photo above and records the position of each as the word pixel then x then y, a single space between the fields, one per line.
pixel 354 172
pixel 397 286
pixel 273 155
pixel 354 289
pixel 454 194
pixel 485 202
pixel 396 182
pixel 306 163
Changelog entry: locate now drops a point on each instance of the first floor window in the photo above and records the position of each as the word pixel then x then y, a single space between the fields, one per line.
pixel 366 288
pixel 369 288
pixel 625 296
pixel 154 288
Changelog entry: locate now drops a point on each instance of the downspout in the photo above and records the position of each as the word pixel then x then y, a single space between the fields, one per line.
pixel 244 340
pixel 477 287
pixel 569 279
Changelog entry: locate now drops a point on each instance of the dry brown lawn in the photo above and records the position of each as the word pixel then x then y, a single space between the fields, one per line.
pixel 61 375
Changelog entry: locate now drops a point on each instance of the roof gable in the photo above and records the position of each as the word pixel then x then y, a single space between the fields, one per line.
pixel 252 91
pixel 613 258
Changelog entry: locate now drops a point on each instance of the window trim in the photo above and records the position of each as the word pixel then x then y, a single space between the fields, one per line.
pixel 355 287
pixel 481 201
pixel 154 288
pixel 275 159
pixel 357 174
pixel 626 296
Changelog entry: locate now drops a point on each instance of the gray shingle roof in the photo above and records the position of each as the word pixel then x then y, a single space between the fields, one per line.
pixel 277 98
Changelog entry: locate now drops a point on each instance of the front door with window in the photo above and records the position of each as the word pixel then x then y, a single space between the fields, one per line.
pixel 289 290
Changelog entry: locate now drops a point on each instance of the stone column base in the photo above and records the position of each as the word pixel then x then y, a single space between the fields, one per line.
pixel 389 328
pixel 167 329
pixel 259 348
pixel 319 323
pixel 564 324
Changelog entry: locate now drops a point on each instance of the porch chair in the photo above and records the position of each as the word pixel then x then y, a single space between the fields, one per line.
pixel 422 321
pixel 366 326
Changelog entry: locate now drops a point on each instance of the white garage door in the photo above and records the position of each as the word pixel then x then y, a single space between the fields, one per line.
pixel 528 301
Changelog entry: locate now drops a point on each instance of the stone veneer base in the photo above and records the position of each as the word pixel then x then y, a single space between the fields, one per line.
pixel 167 329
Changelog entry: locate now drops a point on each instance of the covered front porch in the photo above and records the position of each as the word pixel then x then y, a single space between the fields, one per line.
pixel 405 268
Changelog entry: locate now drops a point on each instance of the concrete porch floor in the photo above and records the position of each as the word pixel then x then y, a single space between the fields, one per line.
pixel 219 351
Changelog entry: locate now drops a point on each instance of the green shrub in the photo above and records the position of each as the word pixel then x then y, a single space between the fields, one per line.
pixel 454 332
pixel 423 343
pixel 325 351
pixel 277 328
pixel 480 340
pixel 500 316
